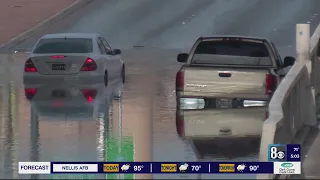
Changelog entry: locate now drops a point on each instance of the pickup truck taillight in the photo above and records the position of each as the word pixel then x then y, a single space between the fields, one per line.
pixel 180 126
pixel 180 81
pixel 271 83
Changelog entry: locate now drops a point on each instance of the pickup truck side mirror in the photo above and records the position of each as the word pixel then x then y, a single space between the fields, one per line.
pixel 289 61
pixel 117 51
pixel 183 57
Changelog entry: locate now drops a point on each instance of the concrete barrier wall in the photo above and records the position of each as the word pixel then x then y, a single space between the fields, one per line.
pixel 292 108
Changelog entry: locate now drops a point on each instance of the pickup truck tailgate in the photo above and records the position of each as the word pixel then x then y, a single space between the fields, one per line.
pixel 225 82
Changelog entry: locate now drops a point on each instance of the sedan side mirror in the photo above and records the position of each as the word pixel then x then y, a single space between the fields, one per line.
pixel 117 51
pixel 289 61
pixel 183 57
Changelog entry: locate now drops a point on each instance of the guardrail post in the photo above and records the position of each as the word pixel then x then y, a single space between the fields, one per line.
pixel 302 42
pixel 303 55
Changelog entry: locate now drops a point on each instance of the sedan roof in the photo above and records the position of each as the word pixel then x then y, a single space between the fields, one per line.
pixel 70 35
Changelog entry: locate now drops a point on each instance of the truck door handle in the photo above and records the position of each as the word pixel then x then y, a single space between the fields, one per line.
pixel 224 74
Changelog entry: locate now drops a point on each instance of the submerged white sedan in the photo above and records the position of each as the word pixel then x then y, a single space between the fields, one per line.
pixel 81 57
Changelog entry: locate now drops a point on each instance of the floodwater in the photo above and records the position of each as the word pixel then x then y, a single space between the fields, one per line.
pixel 91 122
pixel 67 121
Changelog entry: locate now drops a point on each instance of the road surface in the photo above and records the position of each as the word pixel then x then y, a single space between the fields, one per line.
pixel 159 30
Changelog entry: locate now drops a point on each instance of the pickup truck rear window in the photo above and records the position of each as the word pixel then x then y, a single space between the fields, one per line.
pixel 232 53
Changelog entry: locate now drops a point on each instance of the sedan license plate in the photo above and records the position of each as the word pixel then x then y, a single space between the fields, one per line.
pixel 224 103
pixel 58 67
pixel 58 93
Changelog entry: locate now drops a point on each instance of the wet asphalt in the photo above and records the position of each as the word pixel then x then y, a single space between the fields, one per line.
pixel 151 33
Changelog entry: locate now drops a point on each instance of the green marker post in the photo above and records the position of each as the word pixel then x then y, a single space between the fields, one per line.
pixel 120 150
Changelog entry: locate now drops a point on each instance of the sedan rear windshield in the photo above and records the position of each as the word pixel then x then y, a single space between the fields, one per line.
pixel 62 45
pixel 232 53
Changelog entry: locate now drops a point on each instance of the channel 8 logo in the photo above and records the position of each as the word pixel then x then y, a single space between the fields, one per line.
pixel 277 152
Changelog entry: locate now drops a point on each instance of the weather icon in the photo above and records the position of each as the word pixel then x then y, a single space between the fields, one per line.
pixel 125 167
pixel 183 167
pixel 241 167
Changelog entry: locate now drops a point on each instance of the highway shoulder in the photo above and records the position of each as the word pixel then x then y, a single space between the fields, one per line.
pixel 36 15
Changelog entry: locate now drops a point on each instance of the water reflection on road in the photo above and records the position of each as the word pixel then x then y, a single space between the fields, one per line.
pixel 90 122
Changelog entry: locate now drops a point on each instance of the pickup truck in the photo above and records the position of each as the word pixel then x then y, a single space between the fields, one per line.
pixel 228 79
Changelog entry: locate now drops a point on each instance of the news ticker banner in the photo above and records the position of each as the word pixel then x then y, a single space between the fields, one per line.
pixel 281 152
pixel 159 167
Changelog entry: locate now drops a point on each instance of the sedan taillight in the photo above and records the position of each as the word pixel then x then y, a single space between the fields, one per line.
pixel 30 92
pixel 29 66
pixel 89 94
pixel 89 65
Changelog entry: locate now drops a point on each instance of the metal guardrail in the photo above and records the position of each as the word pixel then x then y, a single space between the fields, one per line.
pixel 292 107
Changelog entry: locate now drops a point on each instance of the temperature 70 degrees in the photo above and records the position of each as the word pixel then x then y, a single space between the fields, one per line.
pixel 195 168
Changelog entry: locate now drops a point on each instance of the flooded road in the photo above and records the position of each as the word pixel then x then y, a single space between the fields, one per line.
pixel 90 123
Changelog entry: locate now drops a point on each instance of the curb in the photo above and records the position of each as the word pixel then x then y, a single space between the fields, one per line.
pixel 50 20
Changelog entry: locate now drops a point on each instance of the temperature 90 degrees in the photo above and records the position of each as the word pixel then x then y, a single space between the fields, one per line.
pixel 253 168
